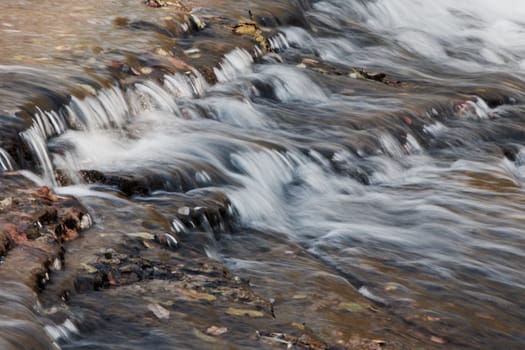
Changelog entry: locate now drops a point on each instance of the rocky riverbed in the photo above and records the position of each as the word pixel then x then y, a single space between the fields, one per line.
pixel 278 174
pixel 67 284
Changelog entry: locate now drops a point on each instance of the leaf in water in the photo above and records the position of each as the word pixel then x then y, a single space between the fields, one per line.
pixel 159 311
pixel 352 307
pixel 88 268
pixel 298 325
pixel 243 312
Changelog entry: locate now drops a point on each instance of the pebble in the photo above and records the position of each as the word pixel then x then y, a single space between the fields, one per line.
pixel 86 222
pixel 185 211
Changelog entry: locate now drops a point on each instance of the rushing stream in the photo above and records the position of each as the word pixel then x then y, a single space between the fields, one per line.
pixel 410 191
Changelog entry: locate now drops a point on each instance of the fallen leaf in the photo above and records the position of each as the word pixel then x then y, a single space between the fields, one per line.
pixel 189 295
pixel 352 307
pixel 159 311
pixel 298 325
pixel 244 312
pixel 245 29
pixel 89 268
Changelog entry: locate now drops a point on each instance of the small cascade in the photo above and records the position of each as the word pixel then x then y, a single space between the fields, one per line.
pixel 344 142
pixel 6 162
pixel 45 125
pixel 158 97
pixel 107 109
pixel 239 61
pixel 112 108
pixel 235 63
pixel 278 42
pixel 186 85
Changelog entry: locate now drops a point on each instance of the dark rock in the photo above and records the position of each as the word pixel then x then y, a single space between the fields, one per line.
pixel 48 215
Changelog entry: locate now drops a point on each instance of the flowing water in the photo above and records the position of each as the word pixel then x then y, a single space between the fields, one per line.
pixel 410 191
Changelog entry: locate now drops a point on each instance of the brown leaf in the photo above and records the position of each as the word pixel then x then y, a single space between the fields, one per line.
pixel 243 312
pixel 246 29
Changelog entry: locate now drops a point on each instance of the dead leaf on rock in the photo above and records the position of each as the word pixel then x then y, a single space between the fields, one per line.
pixel 245 29
pixel 251 29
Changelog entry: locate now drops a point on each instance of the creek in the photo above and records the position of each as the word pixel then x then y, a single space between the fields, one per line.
pixel 405 188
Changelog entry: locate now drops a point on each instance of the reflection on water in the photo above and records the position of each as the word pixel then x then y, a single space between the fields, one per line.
pixel 410 194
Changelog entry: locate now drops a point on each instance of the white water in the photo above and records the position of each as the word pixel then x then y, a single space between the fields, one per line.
pixel 471 35
pixel 6 163
pixel 295 193
pixel 284 145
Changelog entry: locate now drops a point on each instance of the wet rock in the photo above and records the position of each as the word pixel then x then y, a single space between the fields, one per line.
pixel 148 26
pixel 14 233
pixel 131 186
pixel 375 76
pixel 5 242
pixel 216 331
pixel 304 341
pixel 48 215
pixel 92 176
pixel 141 235
pixel 510 153
pixel 196 23
pixel 184 211
pixel 168 240
pixel 85 222
pixel 85 283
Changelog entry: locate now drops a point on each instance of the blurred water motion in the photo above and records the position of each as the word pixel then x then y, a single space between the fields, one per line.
pixel 406 185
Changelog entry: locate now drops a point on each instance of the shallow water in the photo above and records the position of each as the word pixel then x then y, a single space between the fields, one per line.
pixel 411 193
